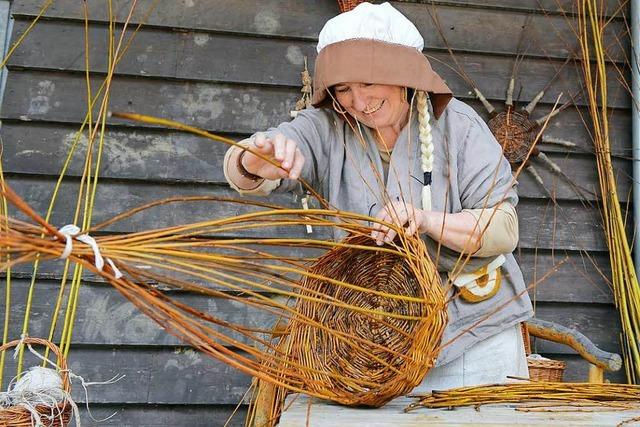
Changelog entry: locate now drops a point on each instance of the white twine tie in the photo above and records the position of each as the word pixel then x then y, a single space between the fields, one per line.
pixel 70 232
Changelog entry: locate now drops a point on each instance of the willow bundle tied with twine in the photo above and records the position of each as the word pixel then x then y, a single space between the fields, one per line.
pixel 591 32
pixel 364 322
pixel 93 128
pixel 549 395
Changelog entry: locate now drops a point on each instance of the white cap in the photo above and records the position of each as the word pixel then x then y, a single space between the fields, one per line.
pixel 381 22
pixel 374 44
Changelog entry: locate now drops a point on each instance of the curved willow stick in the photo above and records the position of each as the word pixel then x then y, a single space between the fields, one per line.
pixel 177 256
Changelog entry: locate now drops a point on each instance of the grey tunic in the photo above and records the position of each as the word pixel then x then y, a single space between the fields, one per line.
pixel 469 172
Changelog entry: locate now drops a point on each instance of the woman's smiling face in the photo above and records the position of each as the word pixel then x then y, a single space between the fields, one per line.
pixel 375 105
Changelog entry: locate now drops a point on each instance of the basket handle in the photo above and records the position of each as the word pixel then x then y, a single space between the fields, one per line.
pixel 61 361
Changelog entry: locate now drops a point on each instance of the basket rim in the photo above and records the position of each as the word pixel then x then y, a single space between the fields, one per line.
pixel 61 360
pixel 546 364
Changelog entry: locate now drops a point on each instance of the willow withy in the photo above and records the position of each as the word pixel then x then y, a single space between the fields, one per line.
pixel 363 322
pixel 626 289
pixel 547 394
pixel 94 126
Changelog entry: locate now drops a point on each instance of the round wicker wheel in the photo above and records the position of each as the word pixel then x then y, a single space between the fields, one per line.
pixel 515 133
pixel 398 352
pixel 18 416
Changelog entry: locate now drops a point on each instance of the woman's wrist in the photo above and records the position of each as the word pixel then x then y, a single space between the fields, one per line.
pixel 429 221
pixel 243 169
pixel 233 173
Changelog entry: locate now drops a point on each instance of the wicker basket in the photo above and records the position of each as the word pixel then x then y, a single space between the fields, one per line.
pixel 18 416
pixel 397 353
pixel 546 370
pixel 347 5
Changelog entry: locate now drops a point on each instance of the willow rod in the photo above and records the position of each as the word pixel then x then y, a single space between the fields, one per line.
pixel 555 393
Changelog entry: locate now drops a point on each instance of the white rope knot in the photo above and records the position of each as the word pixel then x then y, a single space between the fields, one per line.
pixel 20 344
pixel 72 231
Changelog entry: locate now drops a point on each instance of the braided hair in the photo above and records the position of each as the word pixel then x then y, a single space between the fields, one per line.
pixel 426 146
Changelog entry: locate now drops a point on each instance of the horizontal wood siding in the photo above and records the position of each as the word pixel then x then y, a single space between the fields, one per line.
pixel 234 68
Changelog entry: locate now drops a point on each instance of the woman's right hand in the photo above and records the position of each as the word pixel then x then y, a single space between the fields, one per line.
pixel 282 150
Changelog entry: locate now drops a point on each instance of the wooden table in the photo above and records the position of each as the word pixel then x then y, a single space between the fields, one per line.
pixel 304 411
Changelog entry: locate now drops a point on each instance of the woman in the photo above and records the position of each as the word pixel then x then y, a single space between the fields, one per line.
pixel 443 172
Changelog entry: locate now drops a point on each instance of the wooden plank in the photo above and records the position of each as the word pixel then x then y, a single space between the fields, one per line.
pixel 194 378
pixel 105 317
pixel 228 108
pixel 51 270
pixel 567 226
pixel 200 58
pixel 598 322
pixel 166 375
pixel 466 28
pixel 115 197
pixel 568 125
pixel 533 6
pixel 165 415
pixel 166 53
pixel 165 156
pixel 579 280
pixel 275 17
pixel 128 153
pixel 583 278
pixel 582 182
pixel 311 412
pixel 491 74
pixel 470 29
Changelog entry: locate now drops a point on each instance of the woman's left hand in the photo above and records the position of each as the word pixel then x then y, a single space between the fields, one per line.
pixel 400 214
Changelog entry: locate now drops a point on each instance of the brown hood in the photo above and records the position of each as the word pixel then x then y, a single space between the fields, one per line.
pixel 372 61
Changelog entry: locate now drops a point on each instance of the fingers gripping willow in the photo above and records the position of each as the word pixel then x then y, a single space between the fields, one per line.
pixel 363 322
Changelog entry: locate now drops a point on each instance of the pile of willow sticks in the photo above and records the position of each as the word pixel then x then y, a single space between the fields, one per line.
pixel 592 25
pixel 541 396
pixel 363 322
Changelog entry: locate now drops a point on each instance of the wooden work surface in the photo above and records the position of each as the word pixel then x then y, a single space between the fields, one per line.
pixel 324 414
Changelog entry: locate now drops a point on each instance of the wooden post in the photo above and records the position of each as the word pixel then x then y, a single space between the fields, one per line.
pixel 264 405
pixel 596 374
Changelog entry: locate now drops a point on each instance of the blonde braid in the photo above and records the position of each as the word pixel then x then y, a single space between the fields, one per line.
pixel 426 147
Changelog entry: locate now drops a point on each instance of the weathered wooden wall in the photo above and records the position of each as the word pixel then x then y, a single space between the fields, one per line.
pixel 233 68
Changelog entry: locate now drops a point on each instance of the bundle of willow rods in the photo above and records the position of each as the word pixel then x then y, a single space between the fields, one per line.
pixel 592 24
pixel 364 322
pixel 618 396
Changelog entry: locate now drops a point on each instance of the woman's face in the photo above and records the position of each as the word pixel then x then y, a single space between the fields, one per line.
pixel 375 105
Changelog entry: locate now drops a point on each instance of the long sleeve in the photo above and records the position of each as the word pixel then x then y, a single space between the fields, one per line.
pixel 499 228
